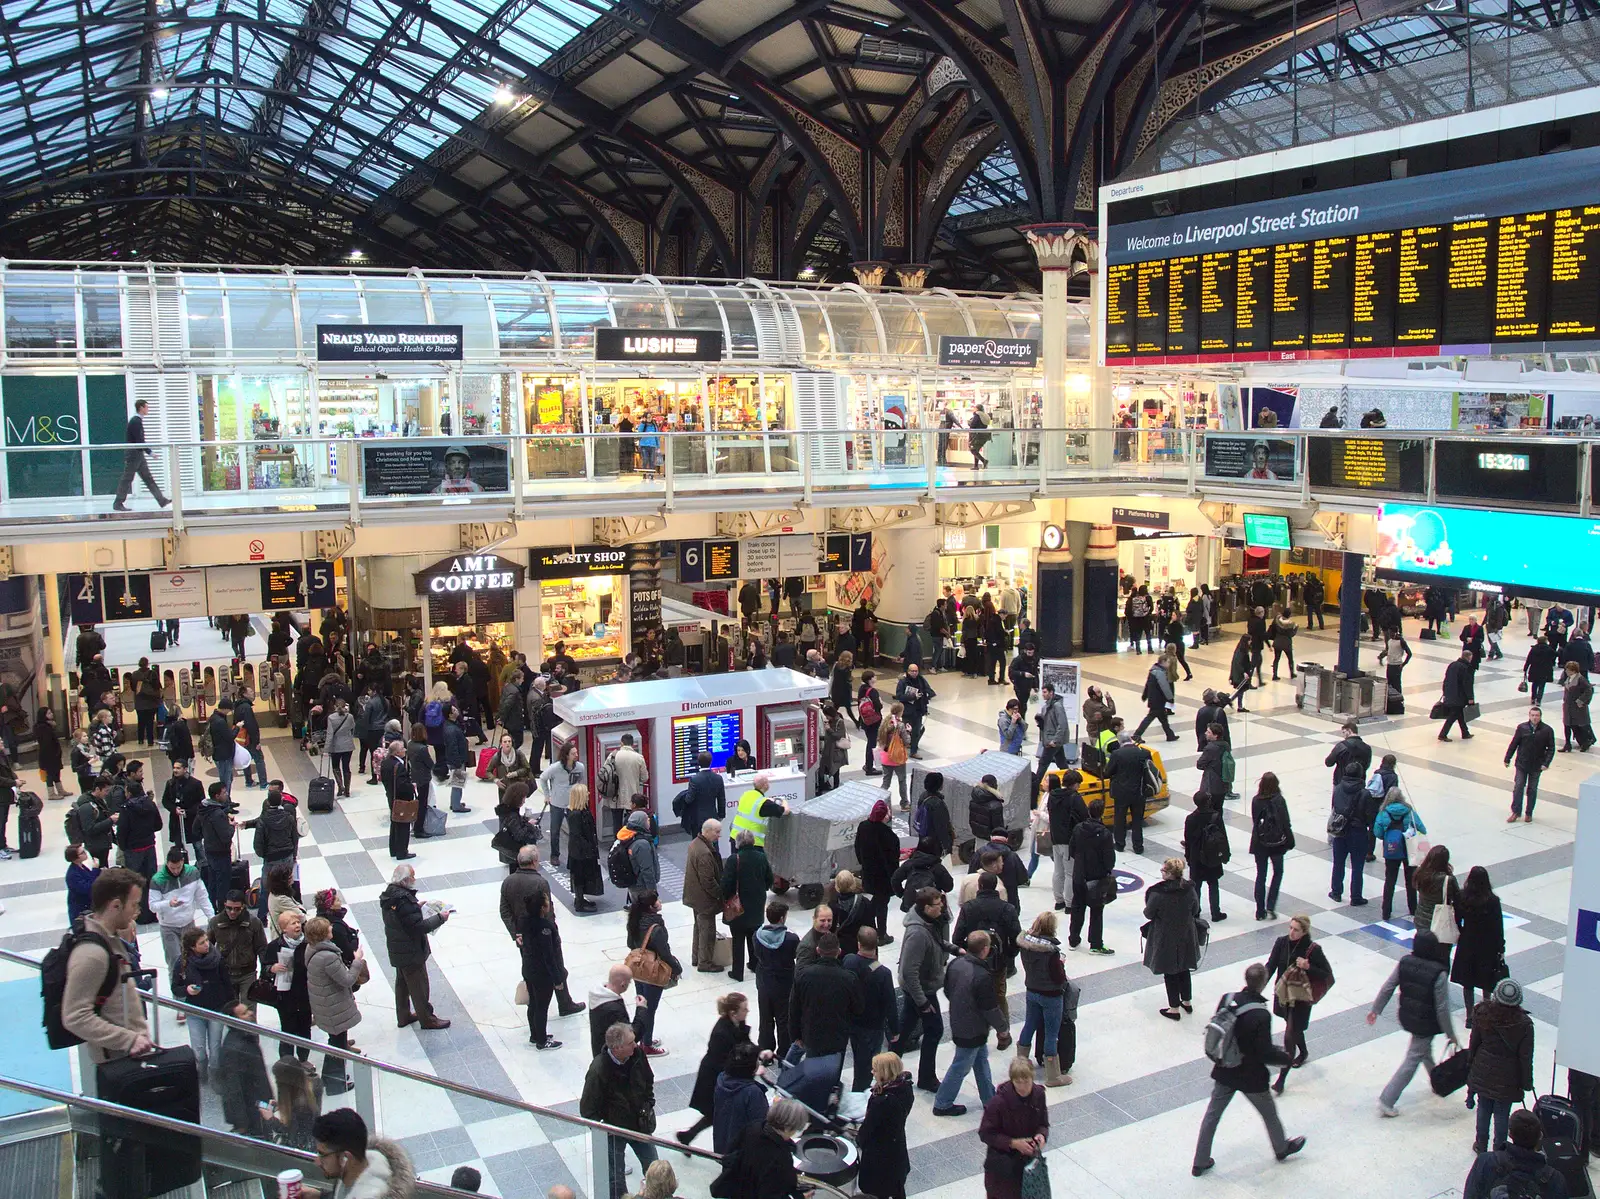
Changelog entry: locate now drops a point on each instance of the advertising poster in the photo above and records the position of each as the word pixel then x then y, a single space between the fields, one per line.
pixel 411 469
pixel 1482 550
pixel 1065 675
pixel 1255 459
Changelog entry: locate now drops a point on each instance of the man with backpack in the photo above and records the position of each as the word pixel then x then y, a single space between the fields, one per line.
pixel 90 822
pixel 1239 1044
pixel 1520 1170
pixel 89 991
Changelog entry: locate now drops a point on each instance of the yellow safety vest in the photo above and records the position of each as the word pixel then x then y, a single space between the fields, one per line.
pixel 747 816
pixel 1107 741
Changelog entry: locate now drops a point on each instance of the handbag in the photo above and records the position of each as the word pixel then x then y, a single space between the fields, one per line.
pixel 520 995
pixel 1035 1179
pixel 1041 831
pixel 1439 711
pixel 1294 987
pixel 1450 1075
pixel 1105 890
pixel 1522 686
pixel 1472 712
pixel 646 965
pixel 1443 924
pixel 733 906
pixel 403 811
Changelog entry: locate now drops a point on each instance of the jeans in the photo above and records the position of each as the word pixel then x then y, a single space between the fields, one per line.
pixel 1043 1012
pixel 1080 901
pixel 1392 870
pixel 643 1150
pixel 218 873
pixel 1351 844
pixel 1267 896
pixel 1418 1052
pixel 914 723
pixel 1222 1095
pixel 1061 874
pixel 1499 1110
pixel 974 1061
pixel 865 1043
pixel 932 1030
pixel 870 732
pixel 890 773
pixel 205 1038
pixel 1524 780
pixel 224 767
pixel 558 817
pixel 1278 654
pixel 539 996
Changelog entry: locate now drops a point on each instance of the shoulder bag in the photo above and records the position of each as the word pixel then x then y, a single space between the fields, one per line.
pixel 1443 924
pixel 403 811
pixel 646 965
pixel 733 906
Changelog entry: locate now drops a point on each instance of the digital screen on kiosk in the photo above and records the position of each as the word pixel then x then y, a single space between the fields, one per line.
pixel 1527 554
pixel 717 732
pixel 1378 266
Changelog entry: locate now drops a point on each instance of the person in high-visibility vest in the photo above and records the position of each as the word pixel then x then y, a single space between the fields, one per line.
pixel 755 809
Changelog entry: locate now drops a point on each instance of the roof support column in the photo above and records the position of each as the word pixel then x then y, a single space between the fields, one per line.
pixel 1056 246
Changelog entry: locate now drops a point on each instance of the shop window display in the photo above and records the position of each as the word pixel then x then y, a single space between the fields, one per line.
pixel 553 404
pixel 582 614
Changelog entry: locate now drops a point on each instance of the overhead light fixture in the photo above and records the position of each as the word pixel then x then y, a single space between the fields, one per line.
pixel 504 95
pixel 161 92
pixel 356 254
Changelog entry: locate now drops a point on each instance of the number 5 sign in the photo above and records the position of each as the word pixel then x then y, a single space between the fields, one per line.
pixel 319 584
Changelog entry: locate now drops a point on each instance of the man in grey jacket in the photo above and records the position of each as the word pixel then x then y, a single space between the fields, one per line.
pixel 1052 720
pixel 525 890
pixel 974 1010
pixel 1424 984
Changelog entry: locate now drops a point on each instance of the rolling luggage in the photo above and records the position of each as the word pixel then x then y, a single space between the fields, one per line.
pixel 137 1161
pixel 1563 1142
pixel 319 796
pixel 1396 705
pixel 485 756
pixel 30 832
pixel 158 641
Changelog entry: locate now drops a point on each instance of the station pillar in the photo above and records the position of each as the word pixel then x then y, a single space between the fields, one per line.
pixel 1057 246
pixel 1350 613
pixel 1100 612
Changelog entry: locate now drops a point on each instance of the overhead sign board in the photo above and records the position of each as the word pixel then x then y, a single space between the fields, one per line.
pixel 461 573
pixel 722 561
pixel 576 562
pixel 233 590
pixel 389 343
pixel 657 345
pixel 988 351
pixel 1141 518
pixel 179 593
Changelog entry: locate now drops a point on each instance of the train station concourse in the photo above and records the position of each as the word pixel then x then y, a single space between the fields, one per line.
pixel 799 597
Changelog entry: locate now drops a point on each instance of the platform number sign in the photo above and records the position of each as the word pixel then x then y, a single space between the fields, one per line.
pixel 860 552
pixel 319 584
pixel 691 562
pixel 83 596
pixel 846 553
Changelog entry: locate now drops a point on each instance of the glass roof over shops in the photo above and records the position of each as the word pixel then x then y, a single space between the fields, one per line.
pixel 210 315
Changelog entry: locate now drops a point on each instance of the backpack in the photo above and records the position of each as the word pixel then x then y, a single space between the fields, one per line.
pixel 1222 1031
pixel 433 714
pixel 605 779
pixel 619 864
pixel 921 823
pixel 868 710
pixel 1394 843
pixel 72 825
pixel 1519 1184
pixel 1214 850
pixel 1270 832
pixel 1375 787
pixel 53 984
pixel 1150 784
pixel 1229 768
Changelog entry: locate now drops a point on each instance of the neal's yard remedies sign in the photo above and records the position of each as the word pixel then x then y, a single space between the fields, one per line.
pixel 388 343
pixel 988 351
pixel 657 345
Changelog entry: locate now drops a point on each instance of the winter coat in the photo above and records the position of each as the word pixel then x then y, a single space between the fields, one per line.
pixel 748 873
pixel 834 755
pixel 705 798
pixel 1480 956
pixel 542 961
pixel 1012 730
pixel 1194 839
pixel 1457 689
pixel 974 1007
pixel 1350 797
pixel 824 1002
pixel 1502 1052
pixel 1540 664
pixel 277 834
pixel 241 942
pixel 1009 1117
pixel 923 955
pixel 761 1167
pixel 94 827
pixel 1066 810
pixel 935 820
pixel 917 871
pixel 646 864
pixel 702 879
pixel 1576 692
pixel 622 1095
pixel 986 813
pixel 1351 749
pixel 205 971
pixel 517 772
pixel 1285 953
pixel 241 1075
pixel 139 824
pixel 1208 715
pixel 1210 767
pixel 1399 817
pixel 1492 1169
pixel 1043 971
pixel 1241 664
pixel 45 736
pixel 330 983
pixel 520 830
pixel 995 916
pixel 1253 1031
pixel 1432 895
pixel 1097 714
pixel 1533 748
pixel 188 888
pixel 1172 939
pixel 1260 805
pixel 659 945
pixel 405 928
pixel 725 1034
pixel 878 853
pixel 1053 726
pixel 1127 765
pixel 737 1103
pixel 1094 853
pixel 885 1159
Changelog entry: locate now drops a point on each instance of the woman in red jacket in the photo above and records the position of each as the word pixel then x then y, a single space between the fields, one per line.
pixel 1014 1127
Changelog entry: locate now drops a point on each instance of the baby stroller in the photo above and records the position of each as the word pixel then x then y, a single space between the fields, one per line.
pixel 827 1150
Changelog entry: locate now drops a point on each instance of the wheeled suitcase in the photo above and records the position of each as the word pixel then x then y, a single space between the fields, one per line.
pixel 319 796
pixel 1563 1142
pixel 158 641
pixel 30 832
pixel 1396 704
pixel 137 1161
pixel 485 757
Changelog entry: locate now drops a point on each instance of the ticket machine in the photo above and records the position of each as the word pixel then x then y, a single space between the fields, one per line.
pixel 673 720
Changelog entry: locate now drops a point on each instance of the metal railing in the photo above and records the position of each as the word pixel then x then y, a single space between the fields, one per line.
pixel 388 480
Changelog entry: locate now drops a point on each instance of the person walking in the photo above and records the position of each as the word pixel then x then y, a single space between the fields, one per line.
pixel 1129 765
pixel 406 929
pixel 1479 961
pixel 331 983
pixel 1436 883
pixel 1093 859
pixel 1538 669
pixel 877 848
pixel 1172 936
pixel 1014 1129
pixel 1422 981
pixel 1303 977
pixel 1241 672
pixel 885 1159
pixel 639 838
pixel 1576 723
pixel 747 876
pixel 1271 836
pixel 1502 1061
pixel 1158 696
pixel 1347 835
pixel 914 693
pixel 646 930
pixel 1024 675
pixel 620 1090
pixel 880 1015
pixel 974 1009
pixel 1045 977
pixel 702 894
pixel 1065 810
pixel 869 718
pixel 924 954
pixel 1282 632
pixel 932 815
pixel 1394 827
pixel 894 750
pixel 1240 1067
pixel 1206 849
pixel 515 832
pixel 544 969
pixel 136 461
pixel 341 743
pixel 1533 746
pixel 731 1029
pixel 1053 733
pixel 1458 692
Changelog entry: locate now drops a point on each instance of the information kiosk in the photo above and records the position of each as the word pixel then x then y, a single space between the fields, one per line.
pixel 672 720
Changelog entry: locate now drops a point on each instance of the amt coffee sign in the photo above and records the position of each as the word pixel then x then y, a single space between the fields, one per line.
pixel 988 351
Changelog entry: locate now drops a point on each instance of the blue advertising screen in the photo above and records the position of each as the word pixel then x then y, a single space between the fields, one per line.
pixel 1537 556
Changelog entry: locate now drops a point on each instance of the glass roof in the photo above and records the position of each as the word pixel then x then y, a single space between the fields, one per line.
pixel 346 96
pixel 994 183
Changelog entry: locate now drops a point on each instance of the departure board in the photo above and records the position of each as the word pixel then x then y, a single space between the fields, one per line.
pixel 1216 303
pixel 1150 308
pixel 1253 305
pixel 717 733
pixel 1183 304
pixel 1521 275
pixel 1291 295
pixel 1372 290
pixel 1468 291
pixel 1574 272
pixel 1416 300
pixel 1330 293
pixel 1120 290
pixel 1500 254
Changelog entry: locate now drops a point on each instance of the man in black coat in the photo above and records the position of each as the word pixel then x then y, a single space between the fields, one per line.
pixel 1350 749
pixel 1253 1038
pixel 824 1002
pixel 986 910
pixel 1126 766
pixel 620 1090
pixel 914 692
pixel 135 461
pixel 137 828
pixel 879 1013
pixel 182 798
pixel 1211 712
pixel 405 930
pixel 1533 746
pixel 706 797
pixel 1458 693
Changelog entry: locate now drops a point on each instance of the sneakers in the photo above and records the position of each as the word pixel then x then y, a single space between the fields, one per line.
pixel 547 1043
pixel 1387 1112
pixel 655 1051
pixel 1101 950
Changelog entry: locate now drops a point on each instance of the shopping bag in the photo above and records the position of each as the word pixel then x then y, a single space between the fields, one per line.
pixel 1035 1179
pixel 1450 1075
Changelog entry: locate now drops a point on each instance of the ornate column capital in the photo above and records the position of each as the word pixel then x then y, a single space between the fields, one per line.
pixel 912 275
pixel 870 274
pixel 1055 243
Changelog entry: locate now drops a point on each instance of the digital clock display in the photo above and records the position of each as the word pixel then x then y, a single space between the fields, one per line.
pixel 1502 461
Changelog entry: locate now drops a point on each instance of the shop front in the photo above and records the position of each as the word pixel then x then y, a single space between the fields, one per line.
pixel 471 600
pixel 583 603
pixel 997 559
pixel 1149 552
